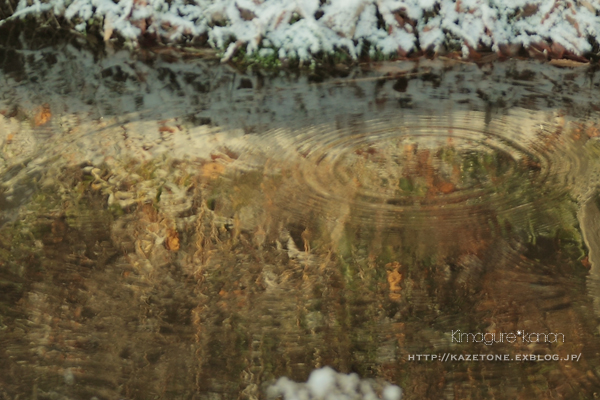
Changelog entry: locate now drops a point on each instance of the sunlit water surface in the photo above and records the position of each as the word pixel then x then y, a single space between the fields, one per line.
pixel 179 230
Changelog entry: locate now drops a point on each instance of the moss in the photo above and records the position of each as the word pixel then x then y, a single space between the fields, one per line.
pixel 265 62
pixel 116 210
pixel 406 184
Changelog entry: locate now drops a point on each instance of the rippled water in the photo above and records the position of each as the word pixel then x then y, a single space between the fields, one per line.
pixel 181 230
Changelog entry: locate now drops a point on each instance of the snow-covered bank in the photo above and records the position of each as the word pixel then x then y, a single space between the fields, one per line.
pixel 302 29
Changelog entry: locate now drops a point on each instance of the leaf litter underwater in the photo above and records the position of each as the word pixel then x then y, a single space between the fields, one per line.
pixel 151 250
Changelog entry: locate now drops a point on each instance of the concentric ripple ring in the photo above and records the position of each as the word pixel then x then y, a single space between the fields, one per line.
pixel 417 167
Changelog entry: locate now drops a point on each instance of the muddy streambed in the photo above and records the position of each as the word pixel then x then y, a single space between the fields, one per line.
pixel 179 230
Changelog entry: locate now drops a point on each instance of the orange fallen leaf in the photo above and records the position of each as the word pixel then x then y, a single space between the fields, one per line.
pixel 10 138
pixel 445 187
pixel 394 278
pixel 212 170
pixel 592 132
pixel 395 296
pixel 42 115
pixel 172 242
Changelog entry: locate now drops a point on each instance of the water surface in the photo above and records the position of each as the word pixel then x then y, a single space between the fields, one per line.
pixel 183 230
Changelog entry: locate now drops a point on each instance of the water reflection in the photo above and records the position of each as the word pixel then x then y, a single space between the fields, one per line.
pixel 174 253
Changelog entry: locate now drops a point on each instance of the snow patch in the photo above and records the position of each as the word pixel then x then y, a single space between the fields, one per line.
pixel 326 384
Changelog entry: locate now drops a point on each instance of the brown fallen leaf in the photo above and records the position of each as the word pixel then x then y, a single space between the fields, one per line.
pixel 488 58
pixel 529 10
pixel 247 15
pixel 166 129
pixel 586 263
pixel 508 50
pixel 474 55
pixel 149 213
pixel 536 53
pixel 557 50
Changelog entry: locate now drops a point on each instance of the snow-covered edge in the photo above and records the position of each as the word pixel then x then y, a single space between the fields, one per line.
pixel 303 28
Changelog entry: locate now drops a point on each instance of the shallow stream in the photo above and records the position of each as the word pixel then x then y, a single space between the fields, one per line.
pixel 175 229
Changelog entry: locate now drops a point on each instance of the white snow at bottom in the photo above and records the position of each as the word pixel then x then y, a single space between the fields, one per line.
pixel 326 384
pixel 303 28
